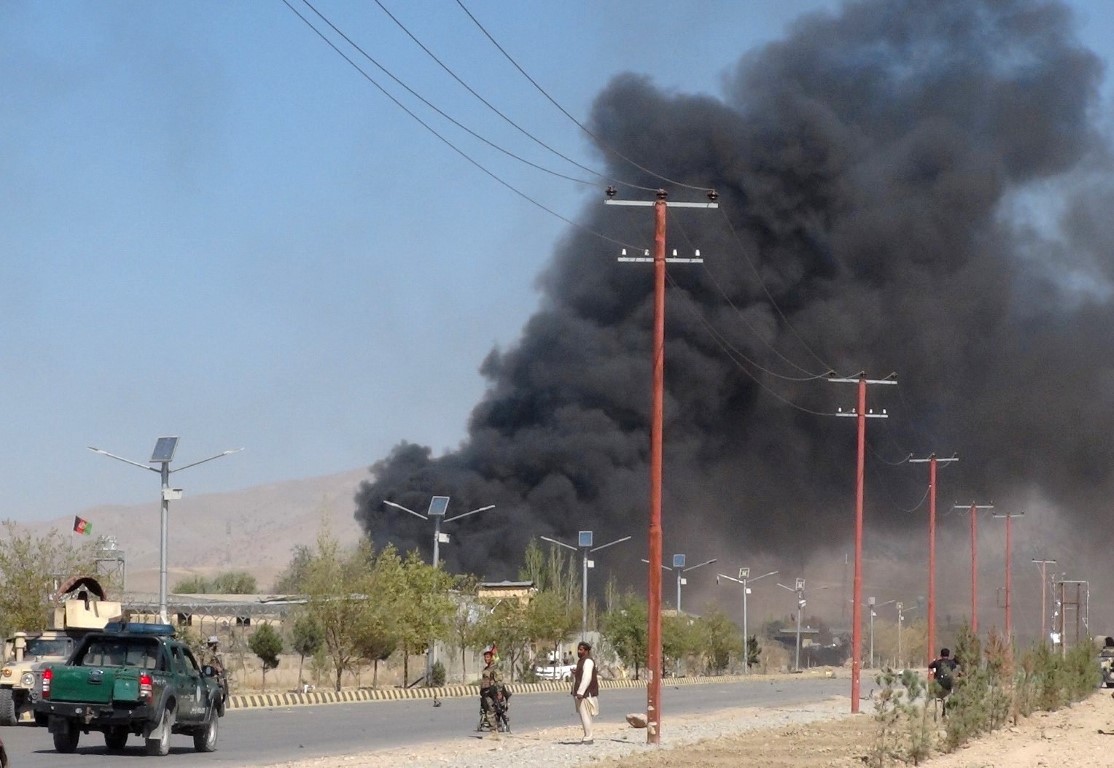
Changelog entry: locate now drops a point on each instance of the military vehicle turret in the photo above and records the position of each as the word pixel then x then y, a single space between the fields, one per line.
pixel 80 608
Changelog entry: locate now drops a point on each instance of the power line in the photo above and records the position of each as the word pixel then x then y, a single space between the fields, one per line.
pixel 434 107
pixel 599 141
pixel 495 109
pixel 446 141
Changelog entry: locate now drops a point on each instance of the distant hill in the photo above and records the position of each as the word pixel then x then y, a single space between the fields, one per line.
pixel 251 530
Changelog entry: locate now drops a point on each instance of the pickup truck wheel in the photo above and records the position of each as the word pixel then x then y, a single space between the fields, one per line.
pixel 206 740
pixel 158 743
pixel 116 739
pixel 66 741
pixel 7 707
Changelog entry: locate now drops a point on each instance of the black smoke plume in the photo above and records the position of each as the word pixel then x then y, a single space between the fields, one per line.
pixel 919 187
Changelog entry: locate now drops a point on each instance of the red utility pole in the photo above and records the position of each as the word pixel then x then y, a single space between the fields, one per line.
pixel 1009 556
pixel 973 509
pixel 932 462
pixel 653 589
pixel 857 588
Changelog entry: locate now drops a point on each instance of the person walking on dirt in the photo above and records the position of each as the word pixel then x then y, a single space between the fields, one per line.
pixel 943 670
pixel 586 689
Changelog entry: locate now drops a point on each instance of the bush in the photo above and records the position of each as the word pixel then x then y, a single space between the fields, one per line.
pixel 437 674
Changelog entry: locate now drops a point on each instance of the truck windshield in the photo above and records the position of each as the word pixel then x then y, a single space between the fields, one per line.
pixel 52 646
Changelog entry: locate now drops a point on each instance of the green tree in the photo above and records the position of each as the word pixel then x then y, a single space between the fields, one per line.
pixel 679 638
pixel 336 592
pixel 552 569
pixel 192 585
pixel 504 623
pixel 266 643
pixel 234 583
pixel 292 580
pixel 376 640
pixel 422 609
pixel 719 639
pixel 306 639
pixel 550 620
pixel 464 625
pixel 31 570
pixel 625 628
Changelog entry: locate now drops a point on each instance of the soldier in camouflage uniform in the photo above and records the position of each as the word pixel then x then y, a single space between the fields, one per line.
pixel 490 679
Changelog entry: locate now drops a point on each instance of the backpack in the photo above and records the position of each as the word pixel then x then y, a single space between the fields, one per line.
pixel 944 671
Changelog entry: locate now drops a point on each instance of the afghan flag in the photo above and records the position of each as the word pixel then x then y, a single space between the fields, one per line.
pixel 82 526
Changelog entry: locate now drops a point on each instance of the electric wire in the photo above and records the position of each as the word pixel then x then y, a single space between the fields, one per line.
pixel 446 141
pixel 599 141
pixel 719 288
pixel 728 350
pixel 766 290
pixel 448 70
pixel 437 109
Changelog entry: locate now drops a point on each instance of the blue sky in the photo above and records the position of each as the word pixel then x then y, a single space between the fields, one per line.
pixel 212 226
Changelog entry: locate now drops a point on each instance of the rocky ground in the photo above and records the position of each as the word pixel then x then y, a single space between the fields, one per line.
pixel 819 736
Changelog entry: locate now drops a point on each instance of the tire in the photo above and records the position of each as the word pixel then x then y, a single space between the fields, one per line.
pixel 7 707
pixel 206 740
pixel 158 742
pixel 116 739
pixel 66 741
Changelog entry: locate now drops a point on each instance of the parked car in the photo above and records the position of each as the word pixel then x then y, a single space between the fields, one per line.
pixel 555 672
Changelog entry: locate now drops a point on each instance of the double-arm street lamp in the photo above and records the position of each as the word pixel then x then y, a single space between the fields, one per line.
pixel 438 506
pixel 162 455
pixel 679 567
pixel 584 540
pixel 745 579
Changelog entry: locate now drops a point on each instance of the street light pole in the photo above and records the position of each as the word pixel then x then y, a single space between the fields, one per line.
pixel 870 604
pixel 900 663
pixel 799 588
pixel 744 578
pixel 679 567
pixel 585 541
pixel 438 506
pixel 162 455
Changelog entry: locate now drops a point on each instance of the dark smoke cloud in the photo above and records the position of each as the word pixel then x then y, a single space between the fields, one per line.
pixel 882 170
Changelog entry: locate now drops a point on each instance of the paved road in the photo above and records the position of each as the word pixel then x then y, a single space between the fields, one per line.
pixel 264 736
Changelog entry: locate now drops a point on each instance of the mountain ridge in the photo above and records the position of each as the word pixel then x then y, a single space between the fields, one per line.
pixel 253 529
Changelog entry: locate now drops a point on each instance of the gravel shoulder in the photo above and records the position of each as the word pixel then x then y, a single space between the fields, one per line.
pixel 823 735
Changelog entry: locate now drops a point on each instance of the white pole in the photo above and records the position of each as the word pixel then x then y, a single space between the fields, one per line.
pixel 746 637
pixel 584 599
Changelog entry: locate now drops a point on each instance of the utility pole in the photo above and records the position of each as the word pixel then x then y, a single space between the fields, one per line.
pixel 653 629
pixel 1044 585
pixel 973 509
pixel 932 462
pixel 861 415
pixel 1009 616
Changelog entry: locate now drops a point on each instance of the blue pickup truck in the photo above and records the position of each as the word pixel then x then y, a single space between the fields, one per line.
pixel 131 679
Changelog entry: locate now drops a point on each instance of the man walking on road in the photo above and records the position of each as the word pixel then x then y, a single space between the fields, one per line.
pixel 586 689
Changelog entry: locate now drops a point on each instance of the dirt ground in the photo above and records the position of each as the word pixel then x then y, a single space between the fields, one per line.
pixel 1081 736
